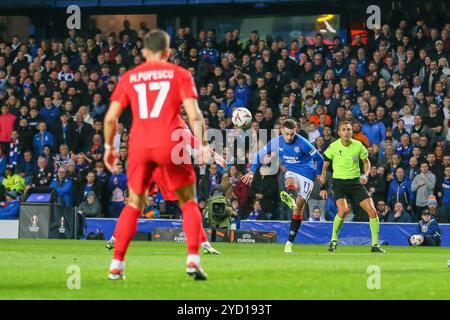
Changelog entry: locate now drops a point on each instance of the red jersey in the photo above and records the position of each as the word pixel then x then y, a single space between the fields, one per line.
pixel 155 91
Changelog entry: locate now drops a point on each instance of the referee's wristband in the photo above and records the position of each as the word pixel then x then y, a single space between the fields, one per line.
pixel 365 176
pixel 107 146
pixel 323 188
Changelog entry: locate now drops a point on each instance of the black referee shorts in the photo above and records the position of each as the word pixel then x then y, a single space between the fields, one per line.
pixel 351 189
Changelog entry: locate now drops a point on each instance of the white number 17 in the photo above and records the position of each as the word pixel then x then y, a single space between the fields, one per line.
pixel 163 88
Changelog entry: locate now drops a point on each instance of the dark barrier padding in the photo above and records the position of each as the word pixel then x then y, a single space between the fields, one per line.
pixel 356 233
pixel 46 221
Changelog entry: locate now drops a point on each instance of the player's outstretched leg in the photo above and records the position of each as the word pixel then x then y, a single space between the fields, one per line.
pixel 193 228
pixel 124 232
pixel 289 196
pixel 369 207
pixel 206 246
pixel 296 204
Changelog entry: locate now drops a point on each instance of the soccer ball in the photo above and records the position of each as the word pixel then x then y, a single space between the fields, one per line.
pixel 241 117
pixel 416 240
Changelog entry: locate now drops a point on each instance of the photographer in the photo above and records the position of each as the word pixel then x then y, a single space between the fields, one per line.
pixel 218 209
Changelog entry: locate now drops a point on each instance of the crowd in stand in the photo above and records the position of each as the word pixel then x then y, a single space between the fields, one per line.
pixel 394 87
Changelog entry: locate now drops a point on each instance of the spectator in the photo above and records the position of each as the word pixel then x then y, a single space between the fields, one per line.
pixel 399 130
pixel 229 181
pixel 432 207
pixel 117 186
pixel 358 134
pixel 404 149
pixel 264 189
pixel 12 180
pixel 10 208
pixel 209 181
pixel 400 190
pixel 316 215
pixel 383 211
pixel 89 184
pixel 42 138
pixel 90 207
pixel 63 187
pixel 97 108
pixel 419 127
pixel 82 132
pixel 150 211
pixel 49 113
pixel 27 166
pixel 7 121
pixel 42 177
pixel 399 214
pixel 374 130
pixel 230 103
pixel 256 213
pixel 437 169
pixel 423 185
pixel 376 184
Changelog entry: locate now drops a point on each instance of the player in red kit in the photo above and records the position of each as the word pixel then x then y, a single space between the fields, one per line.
pixel 156 90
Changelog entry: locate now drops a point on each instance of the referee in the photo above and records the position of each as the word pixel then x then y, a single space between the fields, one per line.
pixel 344 154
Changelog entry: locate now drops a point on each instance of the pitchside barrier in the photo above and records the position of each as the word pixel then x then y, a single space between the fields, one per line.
pixel 353 233
pixel 48 221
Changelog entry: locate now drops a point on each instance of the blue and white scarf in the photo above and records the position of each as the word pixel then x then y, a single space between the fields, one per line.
pixel 14 153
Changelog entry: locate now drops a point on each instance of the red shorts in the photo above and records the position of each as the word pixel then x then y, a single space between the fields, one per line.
pixel 155 165
pixel 158 180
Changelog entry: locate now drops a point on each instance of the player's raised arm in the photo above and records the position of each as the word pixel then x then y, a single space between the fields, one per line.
pixel 307 147
pixel 247 179
pixel 328 157
pixel 198 126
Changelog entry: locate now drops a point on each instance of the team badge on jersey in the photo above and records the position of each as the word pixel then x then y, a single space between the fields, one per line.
pixel 297 149
pixel 355 159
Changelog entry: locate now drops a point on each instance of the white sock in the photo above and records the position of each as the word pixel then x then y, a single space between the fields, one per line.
pixel 112 238
pixel 195 258
pixel 117 264
pixel 288 242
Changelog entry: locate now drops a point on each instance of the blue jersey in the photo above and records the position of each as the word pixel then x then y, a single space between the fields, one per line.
pixel 297 156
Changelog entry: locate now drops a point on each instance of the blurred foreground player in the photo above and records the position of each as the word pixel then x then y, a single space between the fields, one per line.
pixel 155 90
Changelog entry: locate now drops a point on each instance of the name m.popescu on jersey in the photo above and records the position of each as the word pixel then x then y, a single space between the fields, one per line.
pixel 297 156
pixel 155 91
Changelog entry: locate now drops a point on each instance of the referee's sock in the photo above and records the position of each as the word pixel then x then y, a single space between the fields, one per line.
pixel 295 225
pixel 374 230
pixel 337 225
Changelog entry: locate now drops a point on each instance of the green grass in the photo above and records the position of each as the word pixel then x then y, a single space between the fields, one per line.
pixel 36 269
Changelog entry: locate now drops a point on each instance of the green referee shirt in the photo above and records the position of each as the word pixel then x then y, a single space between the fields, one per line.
pixel 345 159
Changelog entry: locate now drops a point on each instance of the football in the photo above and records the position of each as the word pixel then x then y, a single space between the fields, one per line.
pixel 416 240
pixel 241 117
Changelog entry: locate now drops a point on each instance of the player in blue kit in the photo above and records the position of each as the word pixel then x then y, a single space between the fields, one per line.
pixel 303 163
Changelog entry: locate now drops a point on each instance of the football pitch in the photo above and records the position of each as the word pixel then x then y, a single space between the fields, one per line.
pixel 41 269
